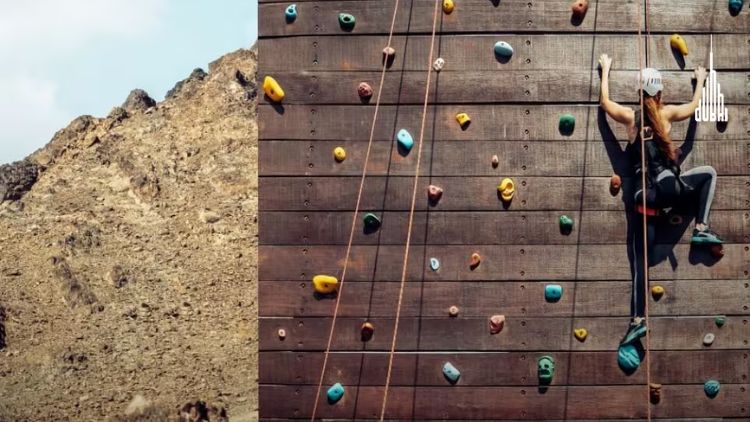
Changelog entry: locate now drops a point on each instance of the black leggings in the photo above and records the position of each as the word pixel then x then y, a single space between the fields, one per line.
pixel 699 182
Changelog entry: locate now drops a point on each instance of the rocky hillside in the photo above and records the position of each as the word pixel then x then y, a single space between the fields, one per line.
pixel 128 260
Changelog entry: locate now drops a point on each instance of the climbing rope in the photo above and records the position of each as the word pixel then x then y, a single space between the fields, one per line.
pixel 411 215
pixel 643 194
pixel 354 218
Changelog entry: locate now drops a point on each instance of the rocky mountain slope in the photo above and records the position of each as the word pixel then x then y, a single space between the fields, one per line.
pixel 128 260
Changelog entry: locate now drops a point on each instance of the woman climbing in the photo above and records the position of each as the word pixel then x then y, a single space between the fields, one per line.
pixel 666 185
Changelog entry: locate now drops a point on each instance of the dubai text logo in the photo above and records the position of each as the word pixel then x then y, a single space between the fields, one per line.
pixel 711 107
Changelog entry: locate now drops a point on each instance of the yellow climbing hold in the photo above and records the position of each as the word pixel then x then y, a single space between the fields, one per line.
pixel 580 334
pixel 657 292
pixel 273 89
pixel 339 154
pixel 463 119
pixel 679 44
pixel 448 6
pixel 325 284
pixel 506 188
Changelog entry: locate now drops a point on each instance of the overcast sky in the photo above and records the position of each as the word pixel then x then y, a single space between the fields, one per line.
pixel 63 58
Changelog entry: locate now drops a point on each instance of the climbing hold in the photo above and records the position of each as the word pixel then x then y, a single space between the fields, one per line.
pixel 567 124
pixel 434 264
pixel 506 188
pixel 475 260
pixel 367 331
pixel 281 333
pixel 364 90
pixel 451 373
pixel 325 284
pixel 463 120
pixel 657 292
pixel 434 193
pixel 580 334
pixel 546 369
pixel 495 161
pixel 372 222
pixel 497 322
pixel 675 220
pixel 566 224
pixel 448 6
pixel 405 140
pixel 735 6
pixel 335 393
pixel 453 311
pixel 339 153
pixel 389 53
pixel 438 64
pixel 291 13
pixel 708 339
pixel 717 251
pixel 273 89
pixel 346 21
pixel 628 358
pixel 711 388
pixel 553 292
pixel 614 184
pixel 720 320
pixel 579 8
pixel 679 44
pixel 654 392
pixel 503 50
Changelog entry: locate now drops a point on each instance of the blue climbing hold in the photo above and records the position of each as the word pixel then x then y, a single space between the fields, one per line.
pixel 711 388
pixel 291 13
pixel 553 292
pixel 503 50
pixel 735 6
pixel 451 373
pixel 628 358
pixel 434 264
pixel 335 393
pixel 405 141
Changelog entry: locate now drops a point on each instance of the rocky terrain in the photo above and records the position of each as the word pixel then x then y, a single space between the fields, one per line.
pixel 128 260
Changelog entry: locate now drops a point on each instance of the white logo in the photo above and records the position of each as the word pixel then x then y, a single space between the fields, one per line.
pixel 711 107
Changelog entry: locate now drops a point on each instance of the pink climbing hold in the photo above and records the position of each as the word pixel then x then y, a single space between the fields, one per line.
pixel 434 193
pixel 364 90
pixel 497 322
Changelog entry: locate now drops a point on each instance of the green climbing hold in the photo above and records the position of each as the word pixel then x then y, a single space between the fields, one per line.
pixel 546 369
pixel 405 141
pixel 503 50
pixel 711 388
pixel 434 264
pixel 628 358
pixel 735 6
pixel 553 292
pixel 347 21
pixel 566 224
pixel 335 393
pixel 567 124
pixel 451 373
pixel 372 222
pixel 291 13
pixel 720 321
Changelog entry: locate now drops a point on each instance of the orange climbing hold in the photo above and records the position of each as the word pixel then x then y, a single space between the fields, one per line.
pixel 476 259
pixel 615 182
pixel 580 7
pixel 273 89
pixel 325 284
pixel 654 393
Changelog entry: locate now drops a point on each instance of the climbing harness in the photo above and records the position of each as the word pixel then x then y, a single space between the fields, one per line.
pixel 354 217
pixel 411 215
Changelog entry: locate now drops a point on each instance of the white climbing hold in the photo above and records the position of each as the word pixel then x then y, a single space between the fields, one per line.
pixel 438 65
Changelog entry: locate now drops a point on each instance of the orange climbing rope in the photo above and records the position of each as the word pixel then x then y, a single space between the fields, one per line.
pixel 354 218
pixel 644 169
pixel 411 215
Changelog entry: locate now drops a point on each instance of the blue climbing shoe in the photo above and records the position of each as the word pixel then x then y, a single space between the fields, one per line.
pixel 637 330
pixel 705 237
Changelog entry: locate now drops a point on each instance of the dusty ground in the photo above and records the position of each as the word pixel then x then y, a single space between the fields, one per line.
pixel 128 259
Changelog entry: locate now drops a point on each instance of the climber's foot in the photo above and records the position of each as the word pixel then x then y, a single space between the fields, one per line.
pixel 705 236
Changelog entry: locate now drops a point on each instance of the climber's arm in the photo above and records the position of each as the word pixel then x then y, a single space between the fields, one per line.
pixel 676 113
pixel 620 113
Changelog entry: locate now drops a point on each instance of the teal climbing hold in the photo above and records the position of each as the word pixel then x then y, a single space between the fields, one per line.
pixel 347 21
pixel 735 6
pixel 711 388
pixel 553 292
pixel 567 124
pixel 628 358
pixel 451 373
pixel 405 141
pixel 335 393
pixel 434 264
pixel 291 13
pixel 566 224
pixel 372 222
pixel 546 369
pixel 720 321
pixel 503 50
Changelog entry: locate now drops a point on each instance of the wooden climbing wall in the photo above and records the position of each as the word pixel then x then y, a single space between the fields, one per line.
pixel 307 202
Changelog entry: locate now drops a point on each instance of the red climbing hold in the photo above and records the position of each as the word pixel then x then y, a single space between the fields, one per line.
pixel 434 193
pixel 614 184
pixel 580 7
pixel 497 322
pixel 364 90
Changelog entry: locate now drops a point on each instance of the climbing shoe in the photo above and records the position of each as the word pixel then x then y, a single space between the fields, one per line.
pixel 637 330
pixel 702 237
